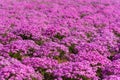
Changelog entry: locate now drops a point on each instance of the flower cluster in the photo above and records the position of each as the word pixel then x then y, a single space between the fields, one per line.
pixel 11 69
pixel 74 70
pixel 59 40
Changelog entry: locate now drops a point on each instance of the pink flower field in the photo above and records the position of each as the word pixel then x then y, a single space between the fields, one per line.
pixel 59 39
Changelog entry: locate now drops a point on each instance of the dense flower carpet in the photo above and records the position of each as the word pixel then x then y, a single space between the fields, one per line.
pixel 59 39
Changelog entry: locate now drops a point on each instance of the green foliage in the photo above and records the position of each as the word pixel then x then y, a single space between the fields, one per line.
pixel 98 64
pixel 30 52
pixel 39 42
pixel 89 35
pixel 15 55
pixel 117 34
pixel 47 76
pixel 102 25
pixel 24 37
pixel 4 35
pixel 83 15
pixel 62 53
pixel 60 37
pixel 85 78
pixel 72 49
pixel 99 72
pixel 61 58
pixel 34 78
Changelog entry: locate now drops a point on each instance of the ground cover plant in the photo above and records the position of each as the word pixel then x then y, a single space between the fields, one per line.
pixel 59 39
